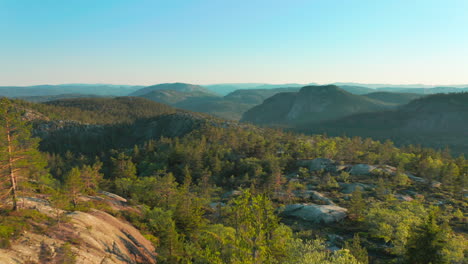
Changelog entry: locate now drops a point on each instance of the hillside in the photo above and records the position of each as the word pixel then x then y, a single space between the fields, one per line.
pixel 180 87
pixel 172 97
pixel 434 121
pixel 357 89
pixel 228 88
pixel 231 106
pixel 47 98
pixel 102 110
pixel 310 104
pixel 393 97
pixel 256 96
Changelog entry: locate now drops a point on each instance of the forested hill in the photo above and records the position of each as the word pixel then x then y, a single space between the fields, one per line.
pixel 434 121
pixel 87 125
pixel 310 104
pixel 205 190
pixel 97 110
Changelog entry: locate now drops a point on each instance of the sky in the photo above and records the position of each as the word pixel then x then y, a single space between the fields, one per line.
pixel 220 41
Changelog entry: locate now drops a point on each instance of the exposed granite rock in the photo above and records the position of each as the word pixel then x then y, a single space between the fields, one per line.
pixel 317 164
pixel 97 237
pixel 318 214
pixel 314 195
pixel 362 169
pixel 349 188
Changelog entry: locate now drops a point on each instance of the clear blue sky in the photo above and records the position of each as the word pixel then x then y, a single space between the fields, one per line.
pixel 219 41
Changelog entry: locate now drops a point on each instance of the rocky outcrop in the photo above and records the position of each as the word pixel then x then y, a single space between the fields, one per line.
pixel 348 188
pixel 314 195
pixel 313 213
pixel 317 164
pixel 92 237
pixel 362 169
pixel 434 184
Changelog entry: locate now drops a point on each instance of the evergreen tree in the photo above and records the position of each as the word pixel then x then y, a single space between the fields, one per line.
pixel 123 167
pixel 427 242
pixel 259 237
pixel 357 205
pixel 357 250
pixel 74 185
pixel 19 157
pixel 91 177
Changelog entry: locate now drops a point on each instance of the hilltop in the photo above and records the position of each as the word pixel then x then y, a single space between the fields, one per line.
pixel 310 104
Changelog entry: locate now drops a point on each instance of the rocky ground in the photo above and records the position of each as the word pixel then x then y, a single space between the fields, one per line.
pixel 89 237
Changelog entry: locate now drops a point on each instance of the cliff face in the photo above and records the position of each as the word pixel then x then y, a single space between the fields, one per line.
pixel 92 237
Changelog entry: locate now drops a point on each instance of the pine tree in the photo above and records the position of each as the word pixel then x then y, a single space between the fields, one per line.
pixel 357 250
pixel 123 167
pixel 426 244
pixel 74 185
pixel 357 204
pixel 90 177
pixel 19 156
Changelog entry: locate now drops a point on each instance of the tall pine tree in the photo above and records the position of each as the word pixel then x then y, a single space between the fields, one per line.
pixel 19 157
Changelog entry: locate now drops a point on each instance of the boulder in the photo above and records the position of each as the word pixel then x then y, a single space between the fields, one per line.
pixel 314 195
pixel 434 184
pixel 313 213
pixel 362 169
pixel 317 164
pixel 348 188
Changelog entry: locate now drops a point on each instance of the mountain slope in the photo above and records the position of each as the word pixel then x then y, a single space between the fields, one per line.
pixel 102 110
pixel 172 97
pixel 357 89
pixel 228 88
pixel 256 96
pixel 180 87
pixel 435 121
pixel 310 104
pixel 393 98
pixel 48 98
pixel 231 106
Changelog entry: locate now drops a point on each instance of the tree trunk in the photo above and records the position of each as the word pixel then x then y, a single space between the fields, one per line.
pixel 10 167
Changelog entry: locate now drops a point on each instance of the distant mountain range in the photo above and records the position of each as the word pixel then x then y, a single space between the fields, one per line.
pixel 227 88
pixel 198 99
pixel 179 87
pixel 89 89
pixel 229 101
